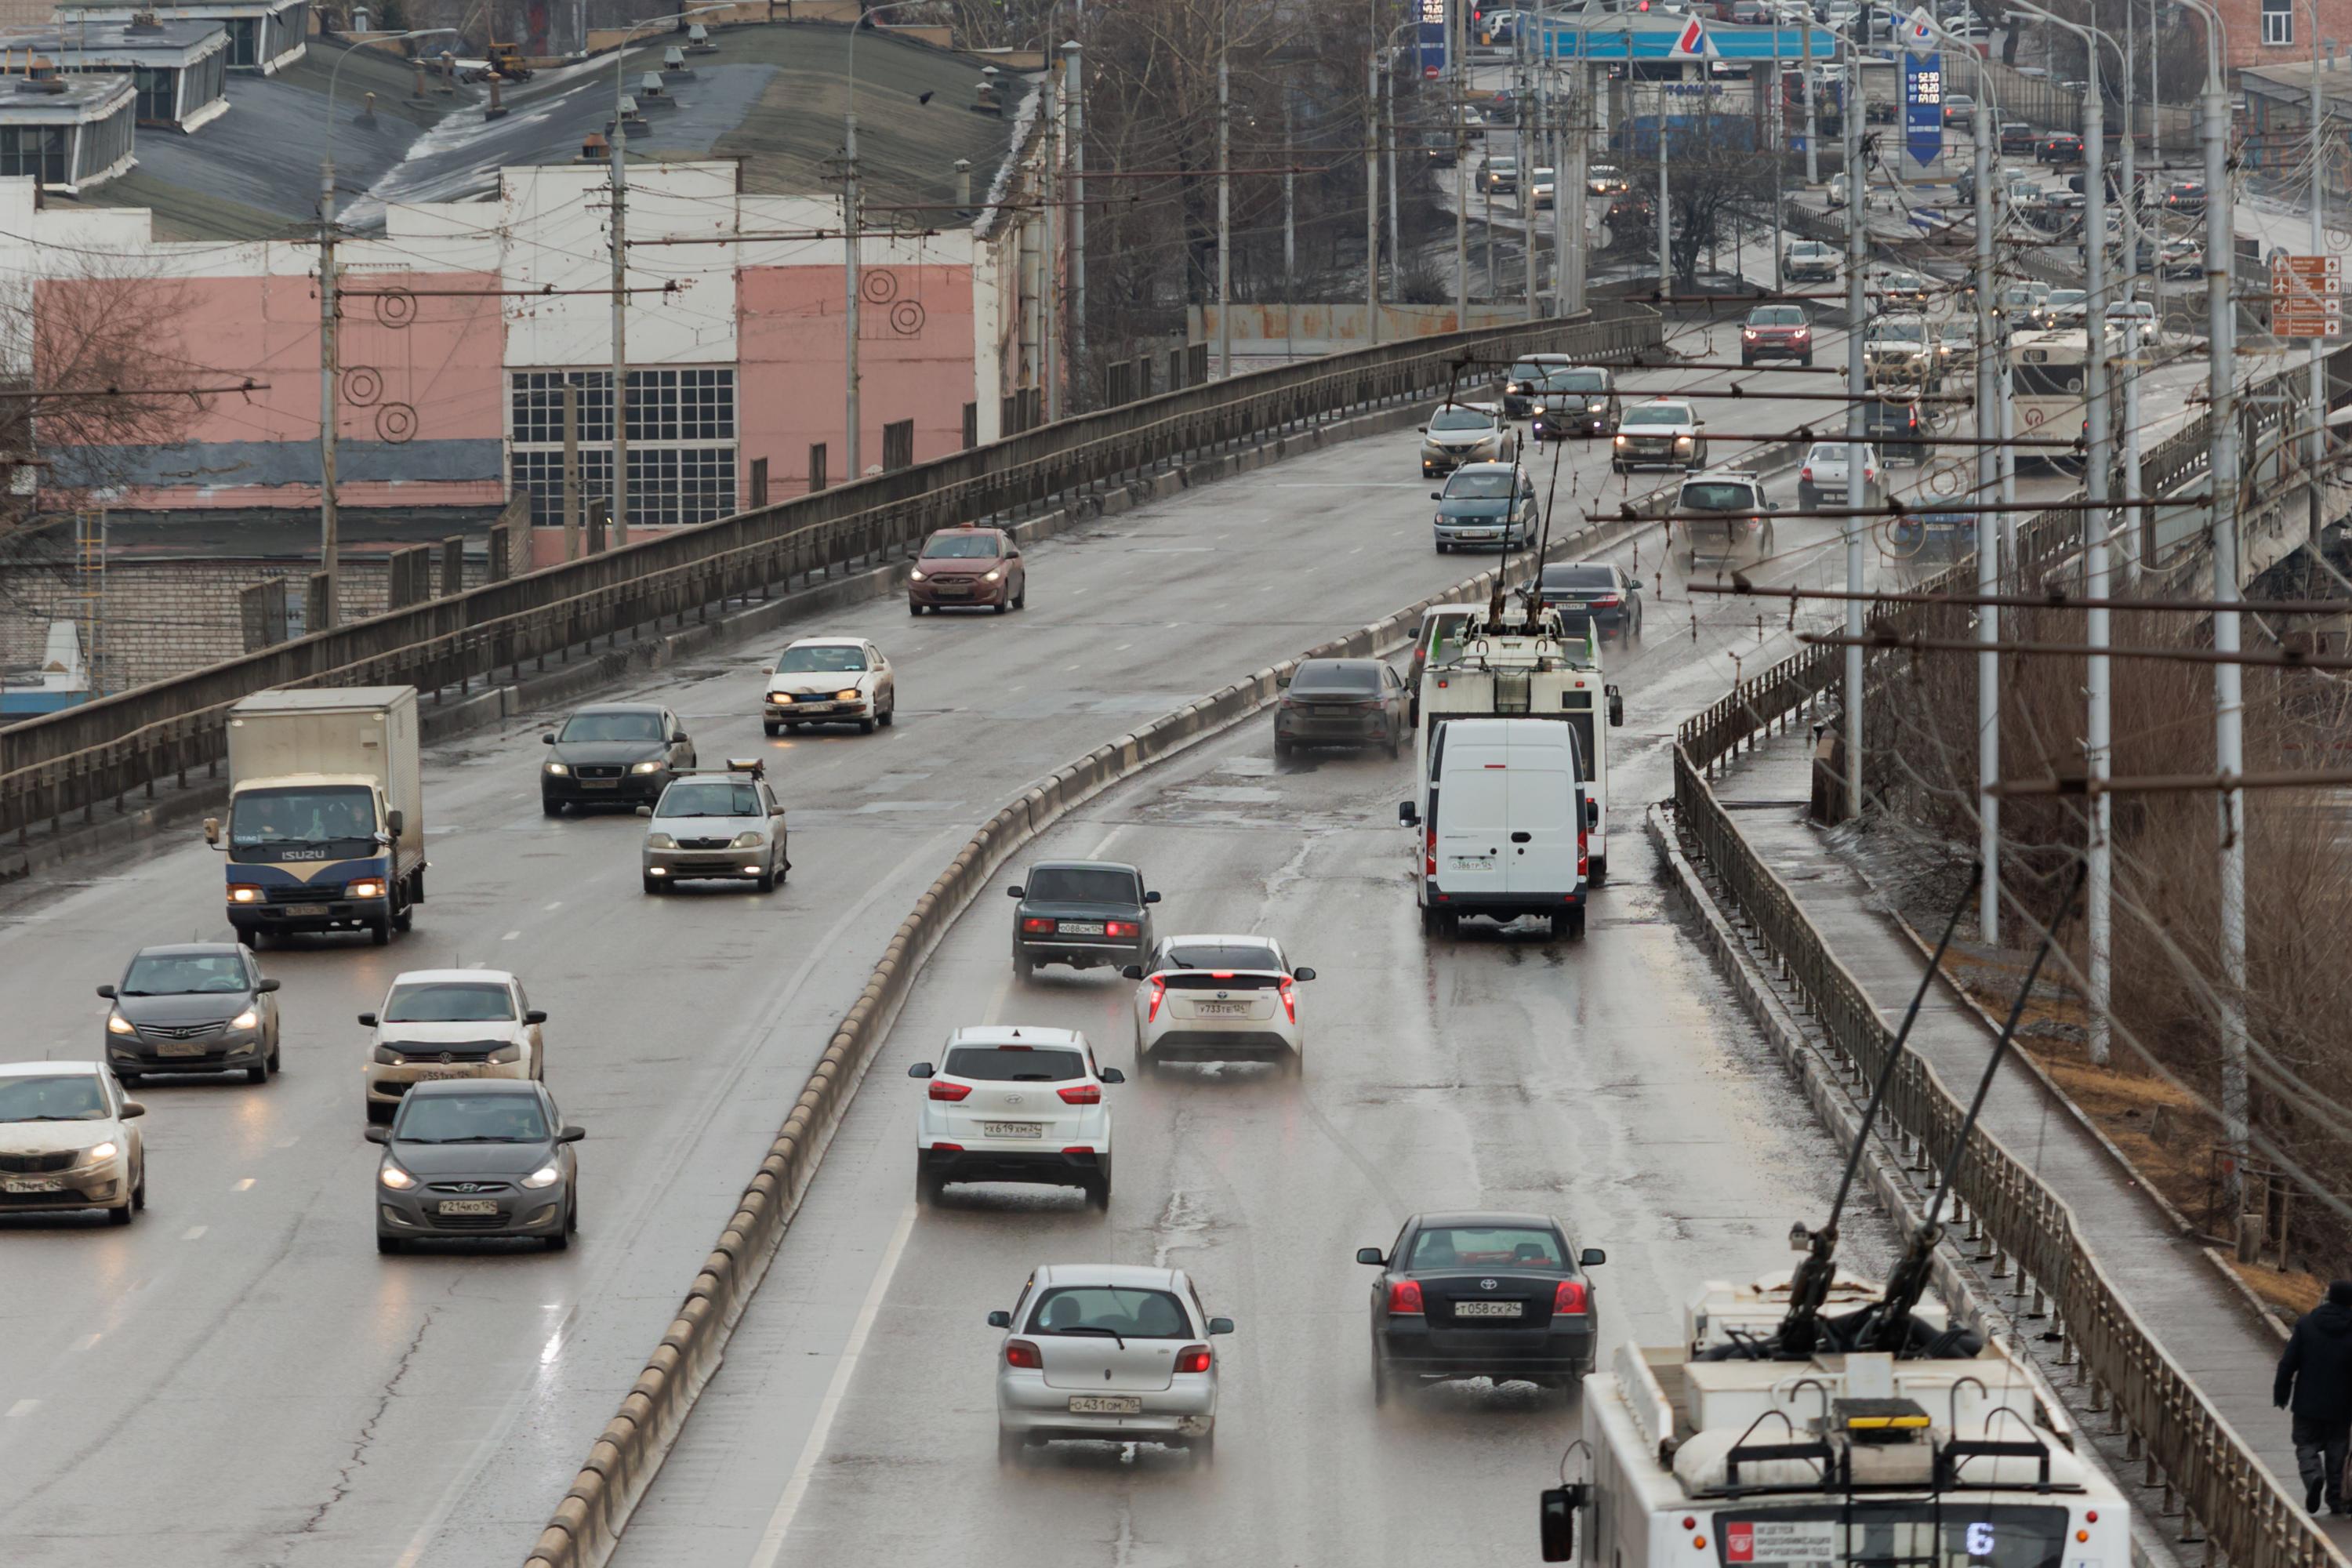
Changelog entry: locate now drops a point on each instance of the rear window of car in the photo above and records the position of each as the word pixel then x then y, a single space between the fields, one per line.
pixel 1718 497
pixel 960 546
pixel 1014 1064
pixel 1222 957
pixel 1487 1246
pixel 1354 679
pixel 1557 577
pixel 1111 1310
pixel 1083 884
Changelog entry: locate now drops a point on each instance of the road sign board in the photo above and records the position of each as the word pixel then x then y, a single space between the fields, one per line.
pixel 2306 296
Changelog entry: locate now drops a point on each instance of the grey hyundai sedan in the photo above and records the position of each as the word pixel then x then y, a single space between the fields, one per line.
pixel 476 1157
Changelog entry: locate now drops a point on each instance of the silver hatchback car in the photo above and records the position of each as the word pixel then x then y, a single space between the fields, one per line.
pixel 1107 1352
pixel 723 824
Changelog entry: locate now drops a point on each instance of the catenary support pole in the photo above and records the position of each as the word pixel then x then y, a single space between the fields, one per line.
pixel 620 399
pixel 1457 46
pixel 1073 114
pixel 1857 252
pixel 1372 201
pixel 1988 551
pixel 330 376
pixel 1225 217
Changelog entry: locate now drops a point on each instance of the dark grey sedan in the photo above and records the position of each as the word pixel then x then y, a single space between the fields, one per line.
pixel 1500 1296
pixel 1341 702
pixel 1082 913
pixel 476 1157
pixel 615 752
pixel 200 1006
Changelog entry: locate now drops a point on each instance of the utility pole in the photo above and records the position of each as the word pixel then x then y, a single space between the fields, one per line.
pixel 1857 252
pixel 1457 45
pixel 1665 225
pixel 1289 230
pixel 1573 213
pixel 2098 673
pixel 620 327
pixel 1074 110
pixel 1812 129
pixel 1779 143
pixel 1531 157
pixel 2134 346
pixel 1396 198
pixel 1049 276
pixel 1987 555
pixel 1539 74
pixel 2316 517
pixel 329 372
pixel 1372 201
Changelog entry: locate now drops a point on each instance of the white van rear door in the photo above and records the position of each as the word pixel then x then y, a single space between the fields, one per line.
pixel 1542 848
pixel 1474 809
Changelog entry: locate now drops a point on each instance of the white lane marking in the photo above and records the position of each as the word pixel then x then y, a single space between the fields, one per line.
pixel 555 906
pixel 290 1140
pixel 772 1539
pixel 511 936
pixel 193 1233
pixel 1122 647
pixel 243 1186
pixel 24 1407
pixel 88 1342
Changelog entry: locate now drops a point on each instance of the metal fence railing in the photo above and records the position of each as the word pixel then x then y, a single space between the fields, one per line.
pixel 71 761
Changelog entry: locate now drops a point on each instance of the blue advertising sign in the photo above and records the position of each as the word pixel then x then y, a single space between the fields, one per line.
pixel 1429 38
pixel 1923 105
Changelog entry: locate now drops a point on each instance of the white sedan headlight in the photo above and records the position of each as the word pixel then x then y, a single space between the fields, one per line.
pixel 750 839
pixel 545 1177
pixel 660 841
pixel 106 1151
pixel 653 767
pixel 850 694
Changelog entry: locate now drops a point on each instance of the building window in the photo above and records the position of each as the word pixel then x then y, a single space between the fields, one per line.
pixel 681 442
pixel 156 90
pixel 35 149
pixel 2278 21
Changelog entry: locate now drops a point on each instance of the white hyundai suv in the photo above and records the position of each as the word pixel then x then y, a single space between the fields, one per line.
pixel 1014 1103
pixel 450 1023
pixel 1218 997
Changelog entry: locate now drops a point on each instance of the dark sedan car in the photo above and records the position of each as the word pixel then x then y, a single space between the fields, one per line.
pixel 1342 701
pixel 1082 913
pixel 201 1007
pixel 476 1157
pixel 1501 1296
pixel 968 568
pixel 1899 430
pixel 1579 401
pixel 622 754
pixel 1594 591
pixel 2059 151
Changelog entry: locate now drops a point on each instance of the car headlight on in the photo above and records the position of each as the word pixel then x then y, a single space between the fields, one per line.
pixel 510 1052
pixel 915 575
pixel 1682 440
pixel 750 839
pixel 106 1151
pixel 660 841
pixel 992 574
pixel 395 1178
pixel 545 1177
pixel 370 888
pixel 389 1057
pixel 116 1024
pixel 244 893
pixel 653 767
pixel 850 694
pixel 1538 408
pixel 559 770
pixel 246 1019
pixel 780 698
pixel 1620 440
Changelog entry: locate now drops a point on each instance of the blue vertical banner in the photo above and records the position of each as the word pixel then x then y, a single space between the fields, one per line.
pixel 1430 37
pixel 1923 105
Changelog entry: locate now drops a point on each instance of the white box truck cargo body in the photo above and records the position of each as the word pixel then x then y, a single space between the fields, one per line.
pixel 326 821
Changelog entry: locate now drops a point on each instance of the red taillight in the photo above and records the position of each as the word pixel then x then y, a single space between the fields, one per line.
pixel 1036 925
pixel 1404 1296
pixel 1192 1358
pixel 950 1148
pixel 1290 1001
pixel 1606 602
pixel 1580 858
pixel 949 1091
pixel 1159 994
pixel 1569 1298
pixel 1429 853
pixel 1806 473
pixel 1021 1352
pixel 1121 928
pixel 1082 1094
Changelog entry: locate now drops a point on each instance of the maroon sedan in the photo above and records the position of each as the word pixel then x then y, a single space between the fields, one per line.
pixel 968 566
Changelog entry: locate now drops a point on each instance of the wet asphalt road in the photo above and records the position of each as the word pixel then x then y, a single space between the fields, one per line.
pixel 240 1376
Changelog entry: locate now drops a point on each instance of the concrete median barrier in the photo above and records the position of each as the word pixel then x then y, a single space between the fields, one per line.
pixel 586 1526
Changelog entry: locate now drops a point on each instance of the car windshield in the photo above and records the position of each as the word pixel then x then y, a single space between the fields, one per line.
pixel 1777 316
pixel 1659 414
pixel 1083 884
pixel 1526 370
pixel 1503 164
pixel 1482 1246
pixel 1713 496
pixel 1014 1064
pixel 1478 487
pixel 315 823
pixel 1220 957
pixel 960 546
pixel 59 1096
pixel 185 974
pixel 450 1002
pixel 810 659
pixel 1578 578
pixel 1321 676
pixel 1576 380
pixel 612 727
pixel 507 1118
pixel 2061 297
pixel 1907 282
pixel 1111 1310
pixel 1901 332
pixel 712 798
pixel 1459 417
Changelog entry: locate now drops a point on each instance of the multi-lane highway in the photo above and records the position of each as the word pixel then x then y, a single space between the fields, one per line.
pixel 241 1375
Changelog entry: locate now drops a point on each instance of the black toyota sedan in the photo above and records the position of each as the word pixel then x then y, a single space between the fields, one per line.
pixel 199 1006
pixel 1082 913
pixel 622 753
pixel 1593 593
pixel 1342 701
pixel 1500 1296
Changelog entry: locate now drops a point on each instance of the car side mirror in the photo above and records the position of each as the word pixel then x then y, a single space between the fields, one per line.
pixel 367 1020
pixel 107 992
pixel 777 809
pixel 1560 1506
pixel 1302 973
pixel 1150 898
pixel 1616 708
pixel 572 1136
pixel 1112 1075
pixel 1016 891
pixel 1422 429
pixel 1633 582
pixel 534 1016
pixel 921 1069
pixel 376 1134
pixel 680 739
pixel 1772 506
pixel 1132 971
pixel 1437 495
pixel 1591 1257
pixel 548 738
pixel 645 811
pixel 132 1107
pixel 211 831
pixel 1372 1256
pixel 268 986
pixel 394 822
pixel 1000 1319
pixel 1221 1325
pixel 1407 814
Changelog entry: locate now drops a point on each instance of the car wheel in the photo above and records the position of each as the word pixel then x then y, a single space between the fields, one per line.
pixel 548 807
pixel 1025 969
pixel 890 715
pixel 1004 604
pixel 1282 749
pixel 378 1115
pixel 866 726
pixel 386 1244
pixel 1009 1448
pixel 139 1192
pixel 1098 1193
pixel 258 1072
pixel 560 1242
pixel 1747 361
pixel 655 886
pixel 1021 600
pixel 119 1216
pixel 1395 748
pixel 1441 547
pixel 1808 360
pixel 929 1186
pixel 770 726
pixel 380 934
pixel 765 881
pixel 1808 498
pixel 1576 924
pixel 276 1063
pixel 1770 545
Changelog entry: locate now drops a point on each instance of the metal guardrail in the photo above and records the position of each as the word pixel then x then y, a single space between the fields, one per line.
pixel 73 760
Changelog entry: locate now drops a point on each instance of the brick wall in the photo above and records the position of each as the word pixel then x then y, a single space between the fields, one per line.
pixel 2243 29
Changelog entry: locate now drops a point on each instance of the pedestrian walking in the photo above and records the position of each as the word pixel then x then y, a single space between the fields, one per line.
pixel 2315 1382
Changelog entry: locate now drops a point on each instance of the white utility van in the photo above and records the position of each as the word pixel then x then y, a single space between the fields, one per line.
pixel 1503 816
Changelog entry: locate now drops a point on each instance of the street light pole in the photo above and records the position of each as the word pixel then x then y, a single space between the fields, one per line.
pixel 1073 113
pixel 1857 251
pixel 1225 217
pixel 2318 247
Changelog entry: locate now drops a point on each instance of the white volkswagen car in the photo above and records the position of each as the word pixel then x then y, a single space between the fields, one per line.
pixel 450 1023
pixel 67 1140
pixel 1107 1352
pixel 1013 1102
pixel 1205 998
pixel 830 680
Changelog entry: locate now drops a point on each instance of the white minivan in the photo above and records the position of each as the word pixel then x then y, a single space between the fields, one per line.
pixel 1503 817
